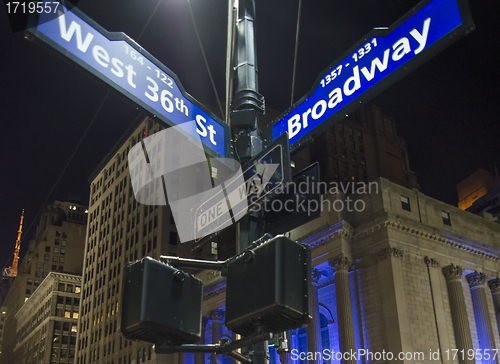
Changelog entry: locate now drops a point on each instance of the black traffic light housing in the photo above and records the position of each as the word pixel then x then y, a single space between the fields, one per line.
pixel 160 304
pixel 269 287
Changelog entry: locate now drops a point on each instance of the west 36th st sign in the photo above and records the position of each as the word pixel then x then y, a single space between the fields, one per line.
pixel 127 67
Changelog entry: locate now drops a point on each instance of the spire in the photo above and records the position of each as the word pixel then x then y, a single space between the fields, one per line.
pixel 12 271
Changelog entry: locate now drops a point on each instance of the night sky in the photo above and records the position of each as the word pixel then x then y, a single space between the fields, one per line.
pixel 447 110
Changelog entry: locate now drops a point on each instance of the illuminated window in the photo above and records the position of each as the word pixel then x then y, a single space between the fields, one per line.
pixel 75 315
pixel 67 314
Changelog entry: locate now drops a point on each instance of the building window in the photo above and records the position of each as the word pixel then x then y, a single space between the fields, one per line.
pixel 47 249
pixel 303 343
pixel 39 265
pixel 446 218
pixel 325 335
pixel 61 259
pixel 172 238
pixel 405 203
pixel 46 257
pixel 56 242
pixel 63 251
pixel 56 250
pixel 54 258
pixel 29 282
pixel 63 242
pixel 46 266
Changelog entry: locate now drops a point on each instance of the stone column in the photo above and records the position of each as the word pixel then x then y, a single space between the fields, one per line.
pixel 313 328
pixel 495 292
pixel 459 315
pixel 217 317
pixel 199 358
pixel 341 266
pixel 479 292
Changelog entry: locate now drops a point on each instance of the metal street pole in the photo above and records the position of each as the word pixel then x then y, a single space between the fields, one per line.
pixel 247 107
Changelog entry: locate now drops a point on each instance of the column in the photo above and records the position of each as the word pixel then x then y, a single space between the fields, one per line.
pixel 199 358
pixel 313 328
pixel 458 307
pixel 479 292
pixel 217 317
pixel 440 299
pixel 395 314
pixel 495 292
pixel 341 265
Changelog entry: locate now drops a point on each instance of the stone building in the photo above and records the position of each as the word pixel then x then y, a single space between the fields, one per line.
pixel 405 274
pixel 47 322
pixel 57 246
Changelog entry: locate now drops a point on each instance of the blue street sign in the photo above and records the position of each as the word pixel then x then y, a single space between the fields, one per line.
pixel 127 67
pixel 373 64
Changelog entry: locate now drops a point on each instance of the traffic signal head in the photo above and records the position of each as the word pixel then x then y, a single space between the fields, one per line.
pixel 160 304
pixel 269 287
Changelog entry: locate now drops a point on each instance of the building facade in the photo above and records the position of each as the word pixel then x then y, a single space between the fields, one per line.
pixel 57 246
pixel 47 322
pixel 363 147
pixel 406 275
pixel 120 230
pixel 480 192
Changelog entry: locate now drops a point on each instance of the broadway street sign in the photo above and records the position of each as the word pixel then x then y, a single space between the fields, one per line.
pixel 127 67
pixel 377 61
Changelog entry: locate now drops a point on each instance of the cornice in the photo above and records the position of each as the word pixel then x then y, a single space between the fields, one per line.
pixel 398 225
pixel 338 230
